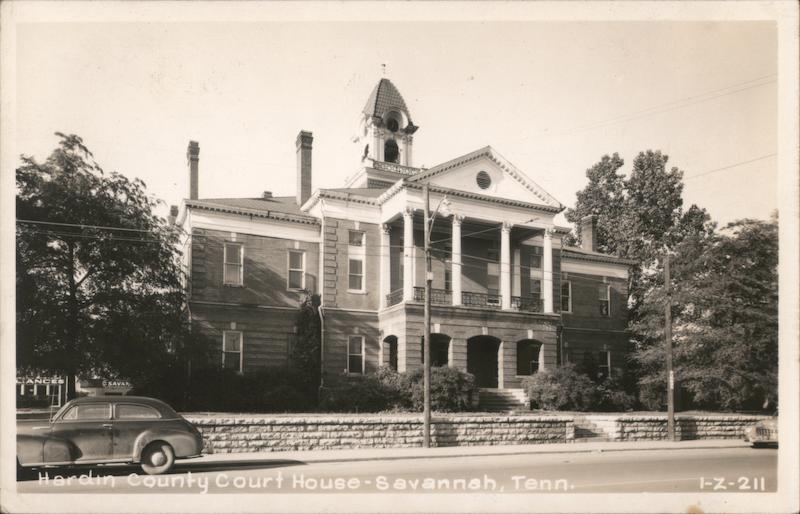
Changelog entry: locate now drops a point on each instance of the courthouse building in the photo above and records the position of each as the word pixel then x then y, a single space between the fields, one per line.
pixel 508 298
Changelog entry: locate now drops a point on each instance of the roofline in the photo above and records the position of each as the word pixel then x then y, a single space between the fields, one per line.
pixel 404 183
pixel 497 158
pixel 337 195
pixel 268 214
pixel 576 254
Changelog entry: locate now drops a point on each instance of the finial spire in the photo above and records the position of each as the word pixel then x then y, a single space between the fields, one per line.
pixel 383 68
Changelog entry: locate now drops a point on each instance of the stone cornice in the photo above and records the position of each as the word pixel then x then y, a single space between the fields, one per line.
pixel 475 196
pixel 567 253
pixel 338 195
pixel 503 163
pixel 268 214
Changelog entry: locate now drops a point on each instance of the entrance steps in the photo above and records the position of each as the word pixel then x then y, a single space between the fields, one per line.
pixel 503 400
pixel 587 431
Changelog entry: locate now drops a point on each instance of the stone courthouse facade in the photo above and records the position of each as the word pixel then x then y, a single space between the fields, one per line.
pixel 508 298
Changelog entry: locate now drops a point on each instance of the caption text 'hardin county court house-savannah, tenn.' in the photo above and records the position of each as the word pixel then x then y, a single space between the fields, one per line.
pixel 508 298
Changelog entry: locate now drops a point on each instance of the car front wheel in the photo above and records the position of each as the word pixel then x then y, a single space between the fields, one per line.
pixel 157 458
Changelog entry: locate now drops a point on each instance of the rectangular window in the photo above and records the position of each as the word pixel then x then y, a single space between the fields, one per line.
pixel 356 238
pixel 603 365
pixel 566 297
pixel 297 270
pixel 355 268
pixel 604 299
pixel 355 354
pixel 536 288
pixel 232 350
pixel 355 280
pixel 493 278
pixel 233 264
pixel 448 266
pixel 536 257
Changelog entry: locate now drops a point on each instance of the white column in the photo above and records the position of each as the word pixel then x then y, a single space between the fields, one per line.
pixel 409 144
pixel 516 278
pixel 376 142
pixel 386 263
pixel 456 259
pixel 505 266
pixel 501 375
pixel 408 255
pixel 547 278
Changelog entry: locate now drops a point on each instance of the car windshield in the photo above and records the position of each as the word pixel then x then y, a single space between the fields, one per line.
pixel 60 411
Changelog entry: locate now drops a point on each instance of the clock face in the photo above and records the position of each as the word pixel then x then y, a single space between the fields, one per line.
pixel 392 125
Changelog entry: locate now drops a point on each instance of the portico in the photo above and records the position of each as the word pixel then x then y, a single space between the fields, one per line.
pixel 490 275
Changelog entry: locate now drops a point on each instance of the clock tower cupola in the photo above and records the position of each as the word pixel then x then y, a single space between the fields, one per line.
pixel 386 131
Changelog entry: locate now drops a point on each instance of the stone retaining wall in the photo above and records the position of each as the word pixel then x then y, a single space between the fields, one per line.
pixel 276 433
pixel 639 428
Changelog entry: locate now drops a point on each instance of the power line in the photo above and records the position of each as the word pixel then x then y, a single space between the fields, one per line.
pixel 734 165
pixel 660 108
pixel 81 225
pixel 676 104
pixel 467 264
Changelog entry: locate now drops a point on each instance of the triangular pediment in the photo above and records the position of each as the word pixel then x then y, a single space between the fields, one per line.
pixel 486 172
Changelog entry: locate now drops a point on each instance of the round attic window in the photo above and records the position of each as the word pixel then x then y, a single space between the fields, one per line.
pixel 392 125
pixel 483 179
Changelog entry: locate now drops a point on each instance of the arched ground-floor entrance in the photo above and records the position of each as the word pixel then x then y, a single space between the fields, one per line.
pixel 482 360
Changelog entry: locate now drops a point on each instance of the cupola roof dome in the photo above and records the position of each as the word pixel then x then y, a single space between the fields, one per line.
pixel 384 98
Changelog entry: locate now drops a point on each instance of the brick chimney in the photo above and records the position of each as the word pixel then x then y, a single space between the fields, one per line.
pixel 303 143
pixel 173 214
pixel 589 233
pixel 193 156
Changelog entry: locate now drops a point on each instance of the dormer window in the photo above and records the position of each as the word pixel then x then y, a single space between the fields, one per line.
pixel 392 125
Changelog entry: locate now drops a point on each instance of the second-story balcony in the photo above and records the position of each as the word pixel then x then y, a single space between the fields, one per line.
pixel 481 269
pixel 468 299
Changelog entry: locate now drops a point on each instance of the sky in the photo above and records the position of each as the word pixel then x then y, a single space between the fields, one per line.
pixel 552 97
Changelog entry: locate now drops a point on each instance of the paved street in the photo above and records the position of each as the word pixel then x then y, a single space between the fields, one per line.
pixel 723 469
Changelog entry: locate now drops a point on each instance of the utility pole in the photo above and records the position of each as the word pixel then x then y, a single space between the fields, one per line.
pixel 668 337
pixel 426 344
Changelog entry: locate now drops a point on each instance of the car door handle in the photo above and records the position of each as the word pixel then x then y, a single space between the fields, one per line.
pixel 107 425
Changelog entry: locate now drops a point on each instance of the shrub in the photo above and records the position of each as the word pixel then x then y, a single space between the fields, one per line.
pixel 563 388
pixel 217 389
pixel 451 389
pixel 611 396
pixel 362 393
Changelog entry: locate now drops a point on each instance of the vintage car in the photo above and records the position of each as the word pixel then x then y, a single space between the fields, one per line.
pixel 107 430
pixel 763 433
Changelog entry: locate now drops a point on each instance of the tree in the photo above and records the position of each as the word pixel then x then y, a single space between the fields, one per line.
pixel 305 353
pixel 725 325
pixel 99 280
pixel 638 216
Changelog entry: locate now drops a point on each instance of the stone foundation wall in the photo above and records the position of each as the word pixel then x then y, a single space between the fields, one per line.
pixel 276 433
pixel 637 428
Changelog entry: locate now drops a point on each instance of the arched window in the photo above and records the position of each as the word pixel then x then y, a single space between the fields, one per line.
pixel 527 357
pixel 390 343
pixel 390 151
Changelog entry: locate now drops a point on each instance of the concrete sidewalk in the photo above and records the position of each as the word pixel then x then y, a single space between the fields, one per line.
pixel 371 454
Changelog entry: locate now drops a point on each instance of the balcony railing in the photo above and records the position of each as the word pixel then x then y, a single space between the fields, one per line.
pixel 438 296
pixel 468 299
pixel 396 168
pixel 394 297
pixel 491 301
pixel 527 303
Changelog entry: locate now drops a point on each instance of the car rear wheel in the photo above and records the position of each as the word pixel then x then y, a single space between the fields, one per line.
pixel 157 458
